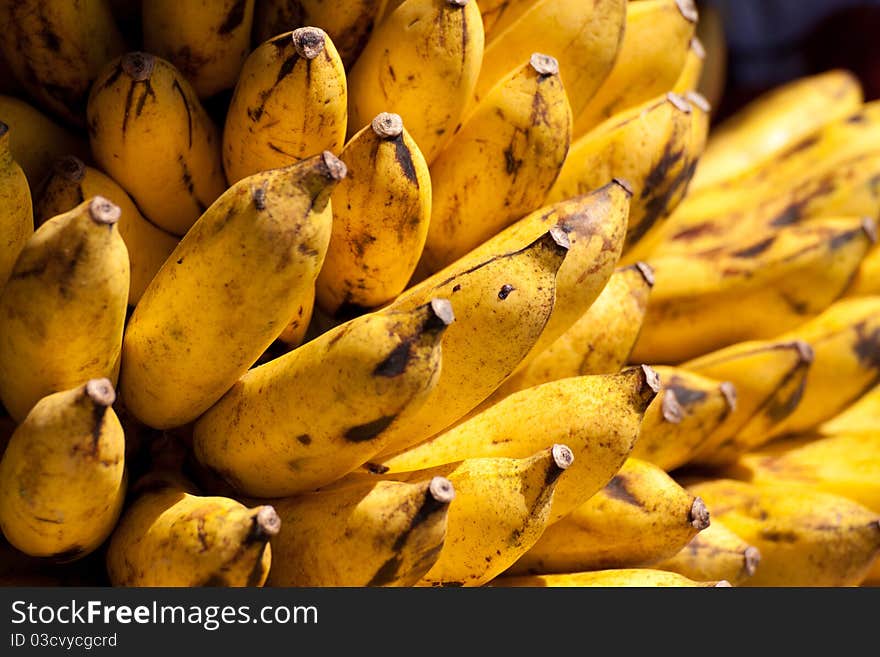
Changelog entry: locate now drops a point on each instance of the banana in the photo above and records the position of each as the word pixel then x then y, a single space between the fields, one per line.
pixel 381 213
pixel 806 537
pixel 63 310
pixel 206 41
pixel 16 211
pixel 227 291
pixel 862 415
pixel 639 518
pixel 348 23
pixel 597 416
pixel 56 50
pixel 295 333
pixel 380 368
pixel 36 140
pixel 499 14
pixel 686 412
pixel 62 476
pixel 689 78
pixel 500 164
pixel 584 37
pixel 422 62
pixel 624 577
pixel 384 533
pixel 769 377
pixel 169 536
pixel 71 181
pixel 715 553
pixel 775 121
pixel 289 104
pixel 149 132
pixel 706 301
pixel 656 40
pixel 867 279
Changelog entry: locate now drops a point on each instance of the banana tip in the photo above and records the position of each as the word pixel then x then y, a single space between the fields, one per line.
pixel 688 9
pixel 751 559
pixel 138 65
pixel 729 392
pixel 697 99
pixel 544 64
pixel 387 125
pixel 442 490
pixel 625 184
pixel 562 455
pixel 104 211
pixel 267 524
pixel 804 350
pixel 441 314
pixel 869 225
pixel 308 41
pixel 335 167
pixel 697 47
pixel 699 514
pixel 560 237
pixel 100 391
pixel 652 379
pixel 671 408
pixel 679 102
pixel 70 168
pixel 647 272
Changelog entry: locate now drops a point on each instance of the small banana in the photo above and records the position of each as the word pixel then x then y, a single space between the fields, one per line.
pixel 148 130
pixel 63 310
pixel 227 291
pixel 689 78
pixel 62 476
pixel 16 211
pixel 624 577
pixel 289 104
pixel 863 415
pixel 385 533
pixel 715 553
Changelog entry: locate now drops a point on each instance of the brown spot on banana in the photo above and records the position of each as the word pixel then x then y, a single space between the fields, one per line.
pixel 233 19
pixel 755 249
pixel 616 489
pixel 369 430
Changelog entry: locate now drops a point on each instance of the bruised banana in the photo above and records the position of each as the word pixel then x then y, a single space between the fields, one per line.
pixel 689 78
pixel 276 433
pixel 421 62
pixel 500 164
pixel 289 103
pixel 227 291
pixel 656 40
pixel 385 533
pixel 381 213
pixel 715 553
pixel 149 132
pixel 806 537
pixel 56 50
pixel 862 416
pixel 623 577
pixel 62 476
pixel 207 41
pixel 686 412
pixel 642 516
pixel 598 417
pixel 16 210
pixel 69 287
pixel 584 37
pixel 148 246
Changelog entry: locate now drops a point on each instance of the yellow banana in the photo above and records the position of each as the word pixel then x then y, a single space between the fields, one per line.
pixel 63 310
pixel 385 533
pixel 36 140
pixel 597 416
pixel 689 78
pixel 380 219
pixel 500 14
pixel 624 577
pixel 715 553
pixel 379 368
pixel 584 37
pixel 862 415
pixel 639 518
pixel 289 104
pixel 16 211
pixel 148 131
pixel 56 49
pixel 706 301
pixel 686 412
pixel 62 476
pixel 227 291
pixel 775 121
pixel 422 62
pixel 655 45
pixel 806 538
pixel 500 164
pixel 148 246
pixel 867 279
pixel 207 41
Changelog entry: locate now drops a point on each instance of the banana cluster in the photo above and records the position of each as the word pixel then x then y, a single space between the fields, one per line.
pixel 428 293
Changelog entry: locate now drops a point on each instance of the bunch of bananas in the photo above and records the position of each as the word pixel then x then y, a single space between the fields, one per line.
pixel 431 292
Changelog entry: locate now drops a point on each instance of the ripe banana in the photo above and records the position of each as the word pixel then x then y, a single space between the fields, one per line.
pixel 598 416
pixel 227 291
pixel 806 538
pixel 56 49
pixel 385 533
pixel 206 41
pixel 689 78
pixel 656 40
pixel 715 553
pixel 624 577
pixel 71 181
pixel 686 412
pixel 148 130
pixel 276 433
pixel 584 37
pixel 16 212
pixel 62 476
pixel 63 310
pixel 381 213
pixel 500 164
pixel 862 415
pixel 289 104
pixel 422 62
pixel 639 518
